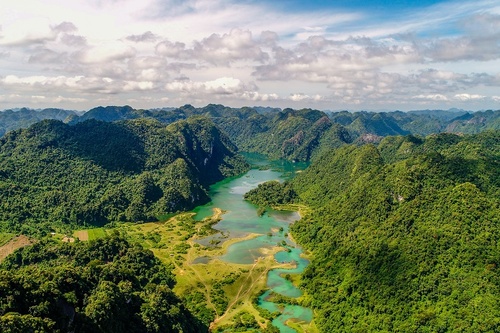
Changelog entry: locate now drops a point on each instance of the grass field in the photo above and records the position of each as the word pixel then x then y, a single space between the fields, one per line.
pixel 96 233
pixel 221 291
pixel 90 234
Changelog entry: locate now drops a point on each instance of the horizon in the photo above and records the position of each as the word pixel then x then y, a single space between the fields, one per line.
pixel 451 109
pixel 326 55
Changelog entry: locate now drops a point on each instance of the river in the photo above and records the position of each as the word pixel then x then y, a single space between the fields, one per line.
pixel 241 219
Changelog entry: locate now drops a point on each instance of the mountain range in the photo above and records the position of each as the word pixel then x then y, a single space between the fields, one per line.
pixel 290 134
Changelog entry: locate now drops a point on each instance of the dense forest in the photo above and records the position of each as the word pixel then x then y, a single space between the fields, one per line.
pixel 105 285
pixel 402 219
pixel 404 234
pixel 291 134
pixel 54 174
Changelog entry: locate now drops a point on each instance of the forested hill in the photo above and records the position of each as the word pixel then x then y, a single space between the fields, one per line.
pixel 12 120
pixel 104 285
pixel 97 172
pixel 290 134
pixel 379 124
pixel 405 235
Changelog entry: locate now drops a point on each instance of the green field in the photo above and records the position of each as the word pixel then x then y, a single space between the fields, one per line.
pixel 96 233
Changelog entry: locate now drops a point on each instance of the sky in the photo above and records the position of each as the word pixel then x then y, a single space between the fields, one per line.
pixel 327 55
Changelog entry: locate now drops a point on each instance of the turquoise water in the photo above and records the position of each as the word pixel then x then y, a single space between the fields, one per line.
pixel 241 219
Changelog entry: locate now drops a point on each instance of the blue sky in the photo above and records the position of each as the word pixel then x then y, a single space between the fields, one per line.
pixel 345 54
pixel 362 5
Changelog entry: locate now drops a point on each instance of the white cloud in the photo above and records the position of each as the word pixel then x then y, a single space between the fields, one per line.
pixel 106 52
pixel 138 85
pixel 223 49
pixel 468 97
pixel 219 86
pixel 27 32
pixel 173 50
pixel 146 37
pixel 433 97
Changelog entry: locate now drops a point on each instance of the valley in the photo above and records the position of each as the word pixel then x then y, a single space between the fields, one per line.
pixel 223 272
pixel 342 224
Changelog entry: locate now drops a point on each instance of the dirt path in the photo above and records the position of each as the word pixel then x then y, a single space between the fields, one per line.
pixel 239 295
pixel 13 245
pixel 209 299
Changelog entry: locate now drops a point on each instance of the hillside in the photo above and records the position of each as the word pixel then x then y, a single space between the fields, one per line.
pixel 405 235
pixel 11 120
pixel 289 134
pixel 53 174
pixel 424 122
pixel 294 134
pixel 106 285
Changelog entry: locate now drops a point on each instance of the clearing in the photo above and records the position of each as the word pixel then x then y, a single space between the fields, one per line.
pixel 221 290
pixel 12 245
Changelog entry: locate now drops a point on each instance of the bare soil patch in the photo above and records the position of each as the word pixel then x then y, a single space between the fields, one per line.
pixel 13 245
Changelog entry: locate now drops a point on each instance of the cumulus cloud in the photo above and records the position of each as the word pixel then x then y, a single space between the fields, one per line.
pixel 66 27
pixel 47 56
pixel 167 48
pixel 468 97
pixel 224 88
pixel 73 40
pixel 101 49
pixel 224 49
pixel 432 97
pixel 219 86
pixel 148 36
pixel 78 84
pixel 303 97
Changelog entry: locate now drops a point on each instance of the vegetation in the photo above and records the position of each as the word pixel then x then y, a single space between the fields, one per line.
pixel 380 124
pixel 298 135
pixel 405 235
pixel 214 291
pixel 14 119
pixel 53 175
pixel 272 193
pixel 105 285
pixel 404 229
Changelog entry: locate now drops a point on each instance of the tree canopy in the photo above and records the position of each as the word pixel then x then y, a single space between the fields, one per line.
pixel 96 172
pixel 405 235
pixel 105 285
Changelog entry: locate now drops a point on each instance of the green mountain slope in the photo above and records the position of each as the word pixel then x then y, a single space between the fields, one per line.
pixel 11 120
pixel 289 134
pixel 106 285
pixel 96 172
pixel 405 235
pixel 475 122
